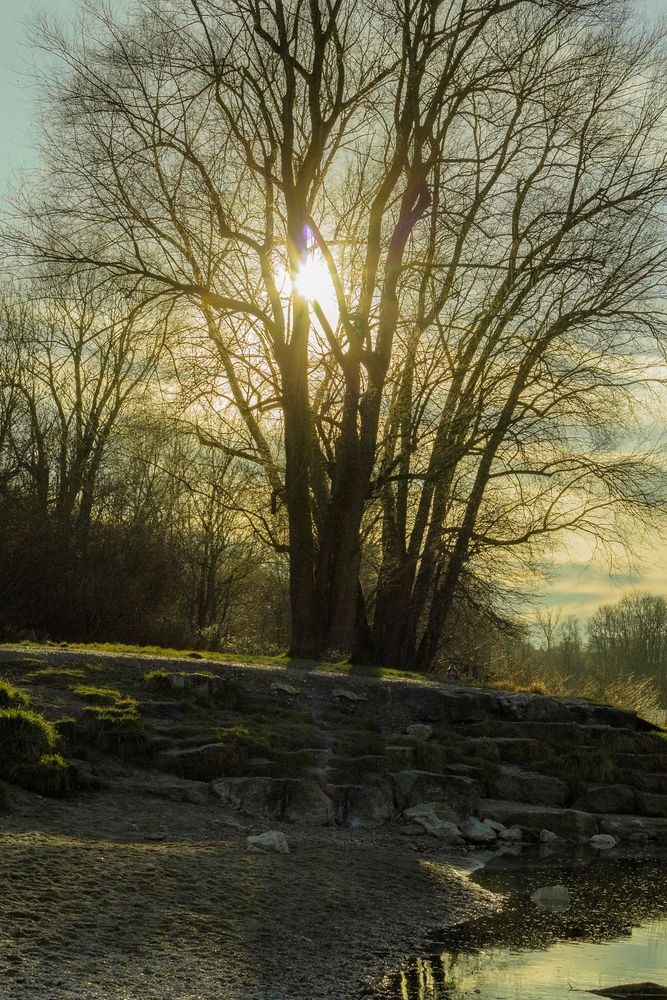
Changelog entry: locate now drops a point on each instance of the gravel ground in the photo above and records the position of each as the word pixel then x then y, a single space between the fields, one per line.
pixel 124 897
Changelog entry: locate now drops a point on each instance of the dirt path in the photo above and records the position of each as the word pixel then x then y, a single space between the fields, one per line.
pixel 94 907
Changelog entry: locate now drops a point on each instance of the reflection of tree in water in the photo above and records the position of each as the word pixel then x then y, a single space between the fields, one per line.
pixel 608 899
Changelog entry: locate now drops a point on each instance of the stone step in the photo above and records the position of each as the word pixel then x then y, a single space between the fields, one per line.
pixel 651 804
pixel 166 710
pixel 556 733
pixel 647 762
pixel 162 787
pixel 503 749
pixel 606 799
pixel 645 781
pixel 570 823
pixel 414 787
pixel 517 785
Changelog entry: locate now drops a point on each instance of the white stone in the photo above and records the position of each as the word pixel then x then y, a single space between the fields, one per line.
pixel 548 837
pixel 552 897
pixel 420 731
pixel 602 842
pixel 477 832
pixel 426 816
pixel 511 836
pixel 282 688
pixel 495 825
pixel 272 840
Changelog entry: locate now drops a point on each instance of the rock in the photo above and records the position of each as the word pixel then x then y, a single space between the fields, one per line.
pixel 602 842
pixel 348 695
pixel 425 815
pixel 607 799
pixel 525 786
pixel 272 840
pixel 633 991
pixel 477 832
pixel 365 806
pixel 420 731
pixel 306 802
pixel 280 687
pixel 564 822
pixel 498 827
pixel 548 837
pixel 623 827
pixel 413 787
pixel 513 835
pixel 555 898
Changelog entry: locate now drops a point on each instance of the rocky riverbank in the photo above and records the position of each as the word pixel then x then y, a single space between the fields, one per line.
pixel 142 883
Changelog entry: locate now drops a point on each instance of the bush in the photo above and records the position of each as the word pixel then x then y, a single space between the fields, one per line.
pixel 12 697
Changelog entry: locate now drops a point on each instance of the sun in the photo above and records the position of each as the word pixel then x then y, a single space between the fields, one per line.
pixel 313 282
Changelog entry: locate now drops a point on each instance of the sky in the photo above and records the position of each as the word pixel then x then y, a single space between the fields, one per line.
pixel 577 585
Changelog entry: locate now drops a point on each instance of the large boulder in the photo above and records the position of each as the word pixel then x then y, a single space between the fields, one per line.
pixel 306 802
pixel 254 796
pixel 365 806
pixel 606 799
pixel 413 787
pixel 570 823
pixel 525 786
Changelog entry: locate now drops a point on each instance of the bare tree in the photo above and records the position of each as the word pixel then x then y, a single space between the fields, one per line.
pixel 423 240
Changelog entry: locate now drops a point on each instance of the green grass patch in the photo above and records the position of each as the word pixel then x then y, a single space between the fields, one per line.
pixel 157 682
pixel 116 729
pixel 12 697
pixel 25 736
pixel 50 775
pixel 88 692
pixel 55 676
pixel 342 666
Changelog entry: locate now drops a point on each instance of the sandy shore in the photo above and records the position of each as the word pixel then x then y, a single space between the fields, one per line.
pixel 116 896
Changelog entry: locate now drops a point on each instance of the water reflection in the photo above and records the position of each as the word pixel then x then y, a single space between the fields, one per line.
pixel 615 931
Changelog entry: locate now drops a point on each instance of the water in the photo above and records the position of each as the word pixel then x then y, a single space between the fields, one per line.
pixel 615 931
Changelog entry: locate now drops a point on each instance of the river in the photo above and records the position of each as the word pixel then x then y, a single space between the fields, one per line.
pixel 612 931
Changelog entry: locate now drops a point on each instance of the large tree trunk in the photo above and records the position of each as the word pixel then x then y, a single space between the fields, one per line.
pixel 303 605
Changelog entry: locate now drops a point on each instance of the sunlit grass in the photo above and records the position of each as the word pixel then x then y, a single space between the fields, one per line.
pixel 342 666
